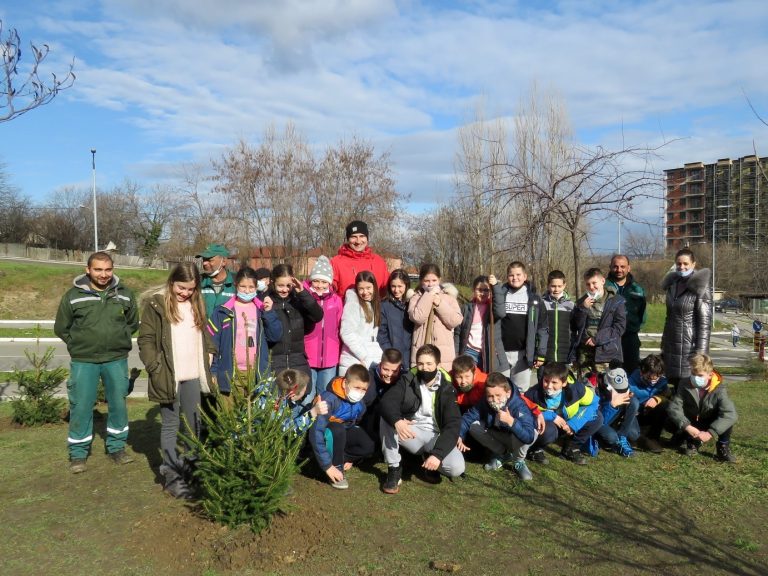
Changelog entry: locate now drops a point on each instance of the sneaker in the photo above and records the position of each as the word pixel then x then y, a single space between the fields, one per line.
pixel 121 457
pixel 77 465
pixel 574 455
pixel 393 481
pixel 623 448
pixel 649 445
pixel 341 484
pixel 522 471
pixel 724 453
pixel 538 456
pixel 691 448
pixel 493 464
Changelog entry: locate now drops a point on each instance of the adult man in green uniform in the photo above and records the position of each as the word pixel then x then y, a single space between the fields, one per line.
pixel 622 281
pixel 96 318
pixel 218 284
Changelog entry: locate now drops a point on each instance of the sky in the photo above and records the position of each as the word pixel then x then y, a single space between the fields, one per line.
pixel 164 82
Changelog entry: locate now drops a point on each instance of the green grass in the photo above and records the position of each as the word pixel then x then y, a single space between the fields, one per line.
pixel 30 290
pixel 648 515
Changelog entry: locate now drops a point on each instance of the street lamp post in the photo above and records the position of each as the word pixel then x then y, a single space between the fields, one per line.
pixel 95 217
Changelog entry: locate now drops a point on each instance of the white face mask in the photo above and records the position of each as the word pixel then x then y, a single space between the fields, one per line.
pixel 261 285
pixel 213 273
pixel 594 295
pixel 355 396
pixel 552 393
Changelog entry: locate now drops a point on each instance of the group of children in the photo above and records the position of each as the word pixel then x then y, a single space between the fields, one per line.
pixel 397 369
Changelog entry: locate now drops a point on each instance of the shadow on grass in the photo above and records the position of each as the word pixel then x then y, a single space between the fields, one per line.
pixel 144 438
pixel 671 538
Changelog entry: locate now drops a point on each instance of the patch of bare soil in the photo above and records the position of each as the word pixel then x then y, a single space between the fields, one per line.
pixel 187 543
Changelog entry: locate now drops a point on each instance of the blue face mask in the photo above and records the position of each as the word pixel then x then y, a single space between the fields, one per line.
pixel 685 273
pixel 699 381
pixel 243 297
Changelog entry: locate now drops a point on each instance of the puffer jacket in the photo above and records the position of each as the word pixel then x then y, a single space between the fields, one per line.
pixel 461 338
pixel 298 313
pixel 689 320
pixel 446 317
pixel 156 352
pixel 396 330
pixel 687 407
pixel 323 343
pixel 403 400
pixel 359 344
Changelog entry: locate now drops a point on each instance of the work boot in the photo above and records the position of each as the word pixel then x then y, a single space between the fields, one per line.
pixel 179 489
pixel 724 453
pixel 394 479
pixel 77 465
pixel 121 457
pixel 691 448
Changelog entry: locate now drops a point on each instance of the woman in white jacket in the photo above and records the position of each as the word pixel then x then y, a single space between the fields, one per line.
pixel 360 322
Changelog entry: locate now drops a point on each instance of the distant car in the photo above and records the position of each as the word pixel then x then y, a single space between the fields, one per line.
pixel 727 304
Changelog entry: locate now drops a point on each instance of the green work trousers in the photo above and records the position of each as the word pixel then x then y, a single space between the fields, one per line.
pixel 81 389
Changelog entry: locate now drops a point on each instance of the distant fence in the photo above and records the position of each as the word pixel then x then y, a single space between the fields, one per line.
pixel 79 256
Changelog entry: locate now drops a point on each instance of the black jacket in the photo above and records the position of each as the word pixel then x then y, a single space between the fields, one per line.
pixel 298 313
pixel 403 400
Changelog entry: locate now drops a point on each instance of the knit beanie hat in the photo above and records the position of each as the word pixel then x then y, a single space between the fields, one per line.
pixel 357 227
pixel 322 270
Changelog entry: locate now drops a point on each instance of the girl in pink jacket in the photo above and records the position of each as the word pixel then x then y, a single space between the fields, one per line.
pixel 323 344
pixel 435 312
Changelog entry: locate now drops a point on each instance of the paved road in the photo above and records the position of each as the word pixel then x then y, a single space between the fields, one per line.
pixel 12 353
pixel 12 356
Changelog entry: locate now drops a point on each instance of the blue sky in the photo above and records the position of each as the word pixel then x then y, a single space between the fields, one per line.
pixel 161 82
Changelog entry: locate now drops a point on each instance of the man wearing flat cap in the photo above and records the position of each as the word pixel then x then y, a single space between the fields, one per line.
pixel 353 257
pixel 217 285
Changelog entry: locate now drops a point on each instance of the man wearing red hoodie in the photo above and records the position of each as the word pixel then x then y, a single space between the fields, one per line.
pixel 353 257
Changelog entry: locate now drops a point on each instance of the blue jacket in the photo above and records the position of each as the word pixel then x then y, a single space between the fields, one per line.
pixel 299 419
pixel 340 410
pixel 643 391
pixel 612 414
pixel 524 426
pixel 222 327
pixel 396 328
pixel 578 405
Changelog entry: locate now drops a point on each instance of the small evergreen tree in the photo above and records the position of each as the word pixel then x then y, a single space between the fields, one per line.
pixel 36 404
pixel 246 462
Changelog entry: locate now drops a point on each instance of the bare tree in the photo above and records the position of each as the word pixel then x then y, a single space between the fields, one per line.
pixel 284 196
pixel 479 175
pixel 644 244
pixel 15 211
pixel 567 186
pixel 25 91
